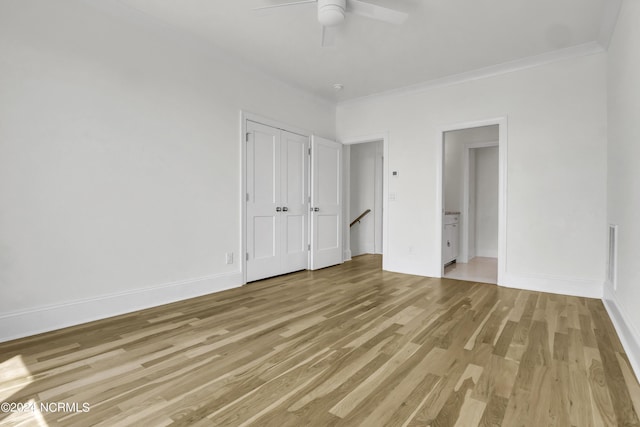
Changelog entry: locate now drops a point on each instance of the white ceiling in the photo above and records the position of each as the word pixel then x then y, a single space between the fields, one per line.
pixel 441 38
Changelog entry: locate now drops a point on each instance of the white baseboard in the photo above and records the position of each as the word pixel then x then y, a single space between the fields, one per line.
pixel 628 334
pixel 33 321
pixel 554 285
pixel 346 255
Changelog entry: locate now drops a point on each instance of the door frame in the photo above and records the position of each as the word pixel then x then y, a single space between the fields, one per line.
pixel 384 137
pixel 244 117
pixel 502 123
pixel 466 164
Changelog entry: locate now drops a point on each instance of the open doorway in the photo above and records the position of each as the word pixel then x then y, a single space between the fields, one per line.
pixel 472 203
pixel 365 187
pixel 365 201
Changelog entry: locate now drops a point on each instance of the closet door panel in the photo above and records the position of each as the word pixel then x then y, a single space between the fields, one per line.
pixel 326 201
pixel 263 158
pixel 295 201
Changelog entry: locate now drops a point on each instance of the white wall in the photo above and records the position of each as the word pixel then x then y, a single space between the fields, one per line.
pixel 556 169
pixel 366 193
pixel 453 172
pixel 486 195
pixel 454 144
pixel 119 161
pixel 624 175
pixel 471 221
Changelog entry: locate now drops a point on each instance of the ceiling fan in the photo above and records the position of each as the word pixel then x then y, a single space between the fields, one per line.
pixel 331 14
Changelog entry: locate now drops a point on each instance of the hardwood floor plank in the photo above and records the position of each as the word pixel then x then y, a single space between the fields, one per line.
pixel 497 379
pixel 626 414
pixel 450 414
pixel 442 394
pixel 360 393
pixel 504 341
pixel 601 407
pixel 494 412
pixel 399 415
pixel 630 380
pixel 561 398
pixel 343 346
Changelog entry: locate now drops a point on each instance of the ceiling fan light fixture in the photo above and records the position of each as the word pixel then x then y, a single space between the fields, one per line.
pixel 331 12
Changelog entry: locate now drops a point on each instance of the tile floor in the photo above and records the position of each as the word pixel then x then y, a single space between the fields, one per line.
pixel 478 269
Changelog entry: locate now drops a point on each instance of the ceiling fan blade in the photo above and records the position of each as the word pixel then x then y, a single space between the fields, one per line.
pixel 329 36
pixel 294 3
pixel 378 13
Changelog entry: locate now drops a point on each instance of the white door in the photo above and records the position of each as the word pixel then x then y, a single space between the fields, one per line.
pixel 294 198
pixel 277 179
pixel 326 203
pixel 263 198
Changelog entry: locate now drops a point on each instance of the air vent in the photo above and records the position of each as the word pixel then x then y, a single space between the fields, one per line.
pixel 613 255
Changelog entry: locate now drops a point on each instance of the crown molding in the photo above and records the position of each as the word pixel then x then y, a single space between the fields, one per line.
pixel 585 49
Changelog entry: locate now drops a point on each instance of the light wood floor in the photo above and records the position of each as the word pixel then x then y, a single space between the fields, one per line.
pixel 349 345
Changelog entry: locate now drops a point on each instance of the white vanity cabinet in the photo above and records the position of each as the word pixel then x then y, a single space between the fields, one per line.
pixel 450 237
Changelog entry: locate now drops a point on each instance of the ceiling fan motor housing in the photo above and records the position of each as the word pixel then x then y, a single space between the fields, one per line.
pixel 331 12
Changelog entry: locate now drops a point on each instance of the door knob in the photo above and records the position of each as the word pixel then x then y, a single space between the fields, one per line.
pixel 316 209
pixel 285 209
pixel 278 209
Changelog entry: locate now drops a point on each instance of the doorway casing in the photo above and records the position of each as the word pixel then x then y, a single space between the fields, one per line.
pixel 502 186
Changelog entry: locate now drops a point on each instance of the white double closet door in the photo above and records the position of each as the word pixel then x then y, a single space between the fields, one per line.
pixel 281 212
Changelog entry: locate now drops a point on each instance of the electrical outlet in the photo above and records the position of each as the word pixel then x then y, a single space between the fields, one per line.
pixel 229 258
